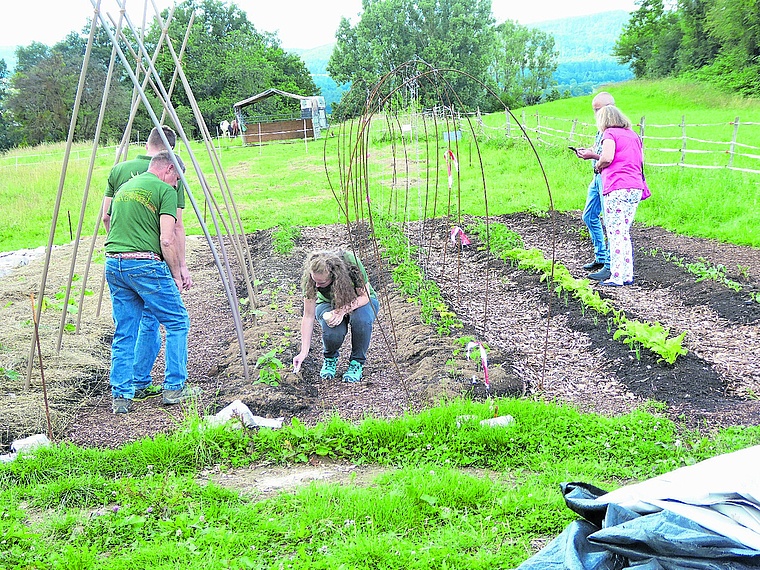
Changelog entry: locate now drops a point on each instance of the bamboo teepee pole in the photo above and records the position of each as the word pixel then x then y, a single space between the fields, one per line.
pixel 125 140
pixel 93 155
pixel 221 178
pixel 226 279
pixel 181 54
pixel 61 180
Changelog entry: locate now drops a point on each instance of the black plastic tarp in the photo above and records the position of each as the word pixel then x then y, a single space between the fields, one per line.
pixel 610 537
pixel 702 516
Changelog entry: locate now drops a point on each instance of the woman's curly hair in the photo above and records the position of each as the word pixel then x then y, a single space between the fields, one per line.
pixel 346 277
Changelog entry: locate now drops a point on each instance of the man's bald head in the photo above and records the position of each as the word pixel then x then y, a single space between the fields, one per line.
pixel 602 99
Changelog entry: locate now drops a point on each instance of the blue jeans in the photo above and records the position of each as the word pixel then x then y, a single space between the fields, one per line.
pixel 146 350
pixel 591 218
pixel 139 285
pixel 361 330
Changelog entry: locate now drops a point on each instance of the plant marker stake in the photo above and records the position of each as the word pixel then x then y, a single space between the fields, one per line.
pixel 42 373
pixel 483 358
pixel 456 230
pixel 449 159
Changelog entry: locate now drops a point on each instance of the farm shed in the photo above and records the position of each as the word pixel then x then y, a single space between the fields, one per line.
pixel 259 129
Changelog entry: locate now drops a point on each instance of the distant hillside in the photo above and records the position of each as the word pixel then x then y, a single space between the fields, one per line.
pixel 316 60
pixel 586 37
pixel 585 47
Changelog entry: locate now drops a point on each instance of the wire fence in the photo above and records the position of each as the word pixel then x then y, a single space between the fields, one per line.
pixel 16 160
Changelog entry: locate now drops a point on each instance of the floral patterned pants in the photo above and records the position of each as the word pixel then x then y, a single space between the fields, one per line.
pixel 619 210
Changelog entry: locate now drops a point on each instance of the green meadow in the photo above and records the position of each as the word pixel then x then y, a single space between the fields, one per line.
pixel 295 183
pixel 451 493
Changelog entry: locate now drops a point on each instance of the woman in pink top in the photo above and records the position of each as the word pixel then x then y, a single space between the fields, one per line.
pixel 621 165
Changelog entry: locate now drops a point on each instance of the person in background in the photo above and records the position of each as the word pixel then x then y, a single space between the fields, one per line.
pixel 621 164
pixel 600 265
pixel 337 292
pixel 143 274
pixel 149 337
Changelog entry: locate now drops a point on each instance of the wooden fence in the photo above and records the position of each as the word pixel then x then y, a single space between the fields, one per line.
pixel 694 145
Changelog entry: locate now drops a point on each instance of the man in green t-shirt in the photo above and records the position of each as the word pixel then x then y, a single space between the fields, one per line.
pixel 149 338
pixel 144 277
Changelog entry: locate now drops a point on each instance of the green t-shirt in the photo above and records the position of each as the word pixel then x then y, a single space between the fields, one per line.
pixel 325 294
pixel 136 213
pixel 128 169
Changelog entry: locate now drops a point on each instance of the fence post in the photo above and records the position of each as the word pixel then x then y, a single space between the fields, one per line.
pixel 683 140
pixel 509 124
pixel 642 125
pixel 733 143
pixel 538 127
pixel 572 130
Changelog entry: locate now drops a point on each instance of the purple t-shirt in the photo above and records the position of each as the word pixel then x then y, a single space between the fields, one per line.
pixel 625 170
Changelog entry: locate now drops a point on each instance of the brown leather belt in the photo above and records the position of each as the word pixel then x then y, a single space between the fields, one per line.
pixel 136 255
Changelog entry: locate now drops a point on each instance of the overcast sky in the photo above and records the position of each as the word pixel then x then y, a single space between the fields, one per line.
pixel 298 23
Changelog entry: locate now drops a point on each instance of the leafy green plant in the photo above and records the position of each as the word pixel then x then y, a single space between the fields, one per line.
pixel 422 292
pixel 537 211
pixel 635 333
pixel 269 368
pixel 9 374
pixel 654 337
pixel 284 238
pixel 703 270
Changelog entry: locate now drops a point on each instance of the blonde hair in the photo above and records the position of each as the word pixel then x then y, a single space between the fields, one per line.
pixel 346 277
pixel 608 117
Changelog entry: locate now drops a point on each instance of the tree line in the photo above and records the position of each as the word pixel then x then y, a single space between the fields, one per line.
pixel 710 40
pixel 227 60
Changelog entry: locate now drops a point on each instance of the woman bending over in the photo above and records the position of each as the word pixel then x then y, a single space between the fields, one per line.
pixel 337 293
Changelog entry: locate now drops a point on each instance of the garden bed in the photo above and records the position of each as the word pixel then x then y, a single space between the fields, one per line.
pixel 409 365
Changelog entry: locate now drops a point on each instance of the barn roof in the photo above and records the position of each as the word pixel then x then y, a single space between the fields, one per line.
pixel 264 95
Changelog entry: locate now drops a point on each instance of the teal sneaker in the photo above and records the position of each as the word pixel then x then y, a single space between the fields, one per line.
pixel 354 372
pixel 328 368
pixel 150 391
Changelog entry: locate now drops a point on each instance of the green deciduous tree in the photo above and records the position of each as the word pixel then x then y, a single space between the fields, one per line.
pixel 445 34
pixel 647 41
pixel 9 134
pixel 43 90
pixel 524 63
pixel 227 60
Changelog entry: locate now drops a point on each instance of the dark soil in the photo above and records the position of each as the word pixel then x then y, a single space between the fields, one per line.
pixel 540 345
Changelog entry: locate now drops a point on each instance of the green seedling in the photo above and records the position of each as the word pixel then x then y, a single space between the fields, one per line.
pixel 284 238
pixel 269 368
pixel 9 374
pixel 634 333
pixel 653 337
